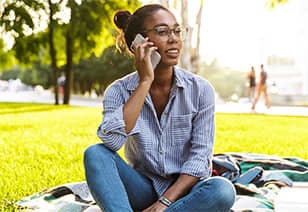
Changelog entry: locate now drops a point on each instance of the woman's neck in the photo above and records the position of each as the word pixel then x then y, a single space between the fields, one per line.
pixel 163 76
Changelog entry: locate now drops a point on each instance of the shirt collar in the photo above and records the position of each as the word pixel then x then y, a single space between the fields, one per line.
pixel 178 77
pixel 134 79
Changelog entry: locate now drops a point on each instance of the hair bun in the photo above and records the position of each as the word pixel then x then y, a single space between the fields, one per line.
pixel 121 19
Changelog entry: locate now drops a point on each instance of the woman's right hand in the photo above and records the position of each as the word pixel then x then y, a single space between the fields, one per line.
pixel 143 62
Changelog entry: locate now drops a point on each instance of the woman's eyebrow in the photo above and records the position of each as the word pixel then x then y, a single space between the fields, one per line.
pixel 163 24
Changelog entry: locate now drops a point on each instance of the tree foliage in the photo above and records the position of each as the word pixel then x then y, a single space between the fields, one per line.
pixel 7 58
pixel 88 30
pixel 16 19
pixel 98 72
pixel 38 74
pixel 87 20
pixel 12 73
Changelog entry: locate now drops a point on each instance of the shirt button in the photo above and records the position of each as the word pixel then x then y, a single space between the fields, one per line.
pixel 165 114
pixel 161 132
pixel 104 131
pixel 161 152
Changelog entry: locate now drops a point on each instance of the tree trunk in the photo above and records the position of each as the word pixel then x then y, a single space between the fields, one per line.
pixel 89 85
pixel 53 54
pixel 186 53
pixel 69 54
pixel 68 67
pixel 195 60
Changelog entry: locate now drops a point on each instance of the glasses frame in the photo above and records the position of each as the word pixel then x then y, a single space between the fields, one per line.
pixel 185 30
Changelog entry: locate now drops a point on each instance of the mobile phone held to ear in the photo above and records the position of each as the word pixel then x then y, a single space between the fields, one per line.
pixel 155 56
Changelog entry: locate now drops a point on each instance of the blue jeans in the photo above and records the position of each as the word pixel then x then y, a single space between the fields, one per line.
pixel 116 187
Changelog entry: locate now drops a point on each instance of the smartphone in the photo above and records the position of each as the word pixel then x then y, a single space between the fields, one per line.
pixel 155 56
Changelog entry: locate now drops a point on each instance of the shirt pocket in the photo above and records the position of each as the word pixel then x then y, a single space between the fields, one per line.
pixel 181 129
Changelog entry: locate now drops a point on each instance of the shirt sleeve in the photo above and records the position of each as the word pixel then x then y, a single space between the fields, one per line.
pixel 199 163
pixel 112 129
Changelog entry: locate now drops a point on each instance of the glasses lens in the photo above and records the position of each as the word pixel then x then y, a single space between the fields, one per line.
pixel 162 31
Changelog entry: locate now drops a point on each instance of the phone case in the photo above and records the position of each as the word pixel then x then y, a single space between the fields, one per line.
pixel 155 56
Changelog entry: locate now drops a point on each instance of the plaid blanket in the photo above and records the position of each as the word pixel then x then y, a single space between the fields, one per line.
pixel 257 179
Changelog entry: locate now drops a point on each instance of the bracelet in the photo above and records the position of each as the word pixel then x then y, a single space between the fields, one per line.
pixel 165 201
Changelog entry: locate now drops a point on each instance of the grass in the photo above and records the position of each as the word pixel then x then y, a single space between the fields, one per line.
pixel 274 135
pixel 42 145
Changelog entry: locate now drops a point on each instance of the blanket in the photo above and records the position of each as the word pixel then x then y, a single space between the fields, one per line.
pixel 258 178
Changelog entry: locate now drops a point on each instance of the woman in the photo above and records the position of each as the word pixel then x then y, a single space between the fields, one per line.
pixel 165 118
pixel 251 76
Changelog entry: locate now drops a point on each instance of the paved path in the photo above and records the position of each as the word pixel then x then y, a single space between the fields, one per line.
pixel 261 109
pixel 47 97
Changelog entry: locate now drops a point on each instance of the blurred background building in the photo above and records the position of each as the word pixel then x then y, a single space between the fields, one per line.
pixel 288 75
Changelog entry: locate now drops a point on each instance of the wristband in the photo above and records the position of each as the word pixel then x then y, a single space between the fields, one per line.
pixel 165 201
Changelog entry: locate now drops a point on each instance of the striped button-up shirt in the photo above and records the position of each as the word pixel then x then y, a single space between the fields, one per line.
pixel 180 142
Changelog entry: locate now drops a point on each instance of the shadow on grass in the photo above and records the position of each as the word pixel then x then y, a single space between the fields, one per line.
pixel 8 206
pixel 14 108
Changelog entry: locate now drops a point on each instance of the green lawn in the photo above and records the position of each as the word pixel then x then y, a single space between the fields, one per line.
pixel 42 145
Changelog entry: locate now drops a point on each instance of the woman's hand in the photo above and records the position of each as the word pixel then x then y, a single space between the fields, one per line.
pixel 143 62
pixel 156 207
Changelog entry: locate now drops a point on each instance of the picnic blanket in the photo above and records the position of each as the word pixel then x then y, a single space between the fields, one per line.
pixel 257 178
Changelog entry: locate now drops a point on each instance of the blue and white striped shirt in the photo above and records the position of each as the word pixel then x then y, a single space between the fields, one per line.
pixel 181 141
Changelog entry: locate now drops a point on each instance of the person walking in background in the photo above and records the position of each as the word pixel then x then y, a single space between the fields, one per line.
pixel 251 76
pixel 262 88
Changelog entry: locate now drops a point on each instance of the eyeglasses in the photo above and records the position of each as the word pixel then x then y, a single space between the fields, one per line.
pixel 165 32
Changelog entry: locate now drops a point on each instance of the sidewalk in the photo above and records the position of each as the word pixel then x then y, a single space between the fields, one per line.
pixel 47 97
pixel 261 109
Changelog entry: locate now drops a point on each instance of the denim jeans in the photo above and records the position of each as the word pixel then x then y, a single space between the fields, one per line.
pixel 116 187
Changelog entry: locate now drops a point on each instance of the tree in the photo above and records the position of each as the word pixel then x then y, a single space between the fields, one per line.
pixel 38 74
pixel 87 22
pixel 52 50
pixel 17 17
pixel 109 66
pixel 195 59
pixel 13 73
pixel 115 64
pixel 17 20
pixel 6 56
pixel 186 53
pixel 88 30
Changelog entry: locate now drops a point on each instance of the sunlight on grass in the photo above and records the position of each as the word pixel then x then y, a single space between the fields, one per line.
pixel 42 145
pixel 274 135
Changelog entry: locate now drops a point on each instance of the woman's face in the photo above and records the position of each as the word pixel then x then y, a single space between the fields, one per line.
pixel 169 46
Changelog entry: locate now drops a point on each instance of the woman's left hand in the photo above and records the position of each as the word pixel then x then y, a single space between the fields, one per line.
pixel 156 207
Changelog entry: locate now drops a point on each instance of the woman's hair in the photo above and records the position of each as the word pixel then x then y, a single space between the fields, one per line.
pixel 131 24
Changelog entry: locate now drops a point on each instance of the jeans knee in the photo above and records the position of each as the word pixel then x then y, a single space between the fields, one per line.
pixel 96 151
pixel 225 191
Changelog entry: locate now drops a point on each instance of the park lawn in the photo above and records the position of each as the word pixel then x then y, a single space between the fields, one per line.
pixel 42 145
